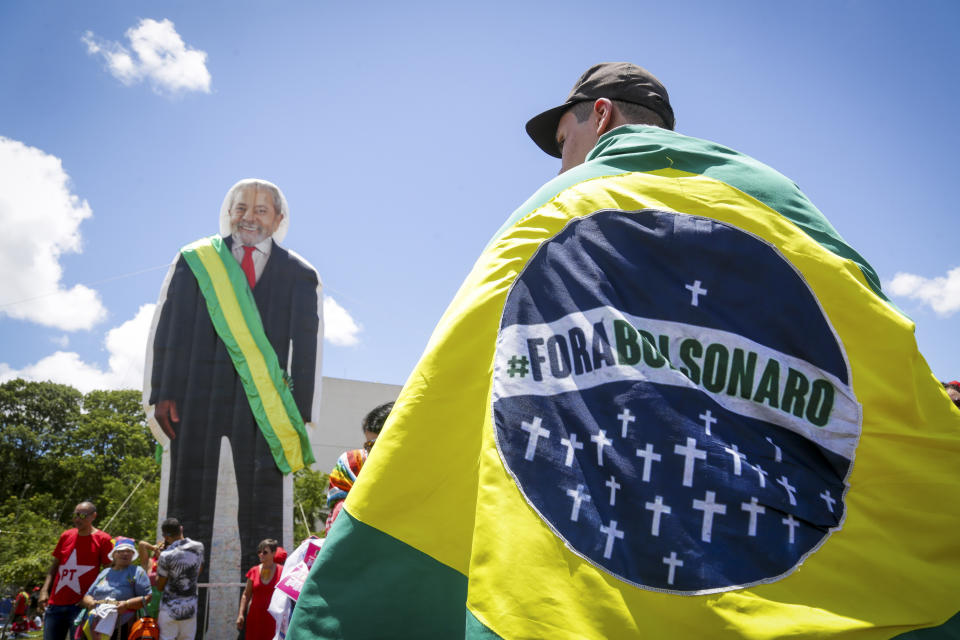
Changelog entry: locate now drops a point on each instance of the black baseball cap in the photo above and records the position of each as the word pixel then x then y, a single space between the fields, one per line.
pixel 614 80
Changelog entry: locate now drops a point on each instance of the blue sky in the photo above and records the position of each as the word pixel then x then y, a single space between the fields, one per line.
pixel 396 133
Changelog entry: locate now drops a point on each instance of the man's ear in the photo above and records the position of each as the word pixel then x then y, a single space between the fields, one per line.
pixel 603 109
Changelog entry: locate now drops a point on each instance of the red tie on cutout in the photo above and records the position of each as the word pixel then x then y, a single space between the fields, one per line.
pixel 247 265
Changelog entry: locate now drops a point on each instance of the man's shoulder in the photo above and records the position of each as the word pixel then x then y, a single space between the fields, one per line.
pixel 67 539
pixel 180 268
pixel 168 552
pixel 180 265
pixel 184 545
pixel 634 148
pixel 99 537
pixel 69 534
pixel 292 260
pixel 192 545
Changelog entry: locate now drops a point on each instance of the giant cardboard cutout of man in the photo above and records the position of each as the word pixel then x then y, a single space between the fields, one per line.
pixel 233 369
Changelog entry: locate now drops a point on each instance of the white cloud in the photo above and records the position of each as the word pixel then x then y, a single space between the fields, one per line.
pixel 61 341
pixel 41 220
pixel 339 327
pixel 941 293
pixel 157 54
pixel 126 345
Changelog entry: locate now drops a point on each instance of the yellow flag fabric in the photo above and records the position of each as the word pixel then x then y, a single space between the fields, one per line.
pixel 668 401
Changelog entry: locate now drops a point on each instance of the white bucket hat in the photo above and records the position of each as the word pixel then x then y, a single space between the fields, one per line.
pixel 124 544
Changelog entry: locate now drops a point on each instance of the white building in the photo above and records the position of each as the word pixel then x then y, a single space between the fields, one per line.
pixel 343 404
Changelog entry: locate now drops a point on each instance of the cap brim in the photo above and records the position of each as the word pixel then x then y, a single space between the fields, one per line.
pixel 542 129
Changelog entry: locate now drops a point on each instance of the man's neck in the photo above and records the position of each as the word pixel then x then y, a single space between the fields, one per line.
pixel 263 245
pixel 86 531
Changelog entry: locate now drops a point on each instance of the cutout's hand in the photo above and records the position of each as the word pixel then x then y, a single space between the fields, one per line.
pixel 166 414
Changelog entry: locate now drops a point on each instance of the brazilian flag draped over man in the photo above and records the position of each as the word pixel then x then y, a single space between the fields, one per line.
pixel 668 401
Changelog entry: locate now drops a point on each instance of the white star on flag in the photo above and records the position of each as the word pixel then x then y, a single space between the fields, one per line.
pixel 70 573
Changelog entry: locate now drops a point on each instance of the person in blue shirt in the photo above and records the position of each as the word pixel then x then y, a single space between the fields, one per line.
pixel 117 593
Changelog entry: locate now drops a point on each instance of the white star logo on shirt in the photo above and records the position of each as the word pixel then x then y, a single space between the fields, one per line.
pixel 70 573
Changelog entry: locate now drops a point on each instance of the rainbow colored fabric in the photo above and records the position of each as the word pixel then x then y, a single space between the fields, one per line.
pixel 669 401
pixel 344 474
pixel 85 630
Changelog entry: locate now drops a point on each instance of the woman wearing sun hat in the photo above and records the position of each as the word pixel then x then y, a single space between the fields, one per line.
pixel 117 593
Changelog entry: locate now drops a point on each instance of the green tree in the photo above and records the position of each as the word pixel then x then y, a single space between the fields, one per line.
pixel 59 447
pixel 35 419
pixel 26 541
pixel 111 456
pixel 310 501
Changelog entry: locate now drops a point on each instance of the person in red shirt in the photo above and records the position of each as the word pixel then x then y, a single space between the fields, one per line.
pixel 78 558
pixel 20 603
pixel 19 624
pixel 261 581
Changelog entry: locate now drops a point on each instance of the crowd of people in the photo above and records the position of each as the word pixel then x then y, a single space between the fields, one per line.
pixel 98 586
pixel 95 588
pixel 19 612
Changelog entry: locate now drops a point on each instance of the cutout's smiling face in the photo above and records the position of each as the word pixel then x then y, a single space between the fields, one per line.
pixel 253 216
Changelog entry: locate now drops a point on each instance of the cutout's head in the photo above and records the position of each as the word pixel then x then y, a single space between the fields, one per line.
pixel 253 211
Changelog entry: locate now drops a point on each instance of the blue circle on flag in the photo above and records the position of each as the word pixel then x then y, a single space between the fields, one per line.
pixel 671 399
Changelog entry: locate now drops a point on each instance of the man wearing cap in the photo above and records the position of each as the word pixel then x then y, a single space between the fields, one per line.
pixel 642 412
pixel 77 559
pixel 234 359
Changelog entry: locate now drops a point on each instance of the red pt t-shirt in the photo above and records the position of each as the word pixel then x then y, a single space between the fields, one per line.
pixel 80 560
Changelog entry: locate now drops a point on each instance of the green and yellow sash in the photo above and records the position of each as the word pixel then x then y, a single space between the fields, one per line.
pixel 237 321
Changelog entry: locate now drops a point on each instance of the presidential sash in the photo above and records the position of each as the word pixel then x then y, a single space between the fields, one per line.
pixel 236 320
